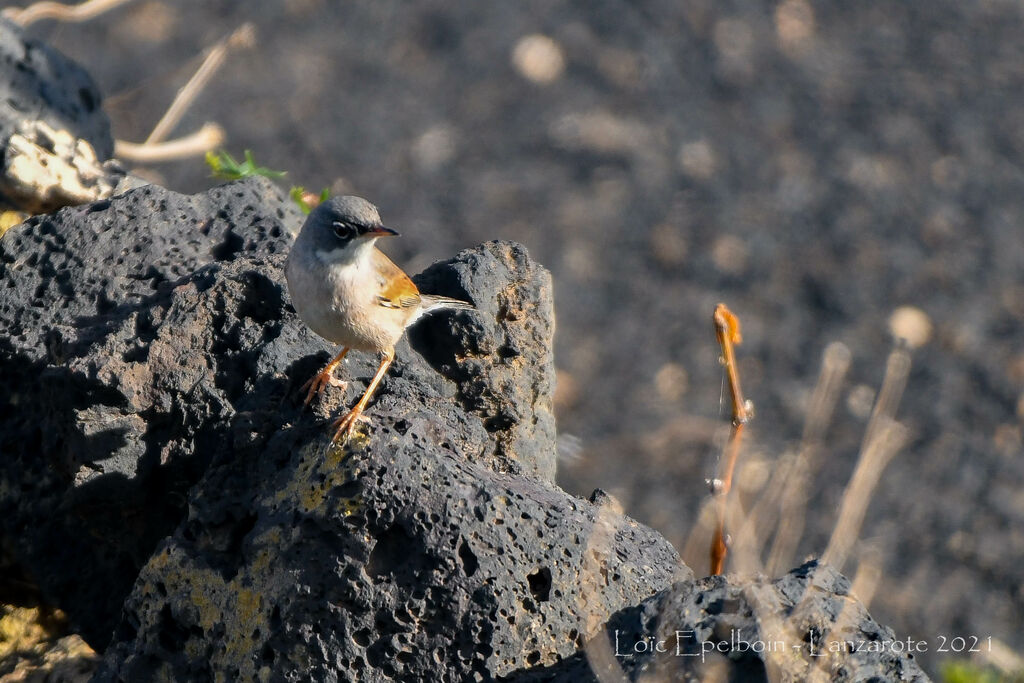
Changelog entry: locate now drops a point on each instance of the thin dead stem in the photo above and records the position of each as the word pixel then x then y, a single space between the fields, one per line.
pixel 727 330
pixel 1002 656
pixel 869 573
pixel 897 369
pixel 882 439
pixel 888 439
pixel 781 507
pixel 244 36
pixel 600 543
pixel 792 497
pixel 206 138
pixel 55 10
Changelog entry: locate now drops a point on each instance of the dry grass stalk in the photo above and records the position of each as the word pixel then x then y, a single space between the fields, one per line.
pixel 55 10
pixel 243 36
pixel 779 511
pixel 882 439
pixel 888 439
pixel 211 135
pixel 727 330
pixel 795 478
pixel 869 574
pixel 600 543
pixel 206 138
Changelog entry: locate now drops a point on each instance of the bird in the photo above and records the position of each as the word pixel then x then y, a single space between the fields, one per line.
pixel 348 292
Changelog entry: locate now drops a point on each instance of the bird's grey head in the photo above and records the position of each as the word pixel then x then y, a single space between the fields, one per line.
pixel 341 228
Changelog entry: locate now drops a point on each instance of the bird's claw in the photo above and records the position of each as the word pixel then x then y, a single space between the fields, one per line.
pixel 346 424
pixel 318 382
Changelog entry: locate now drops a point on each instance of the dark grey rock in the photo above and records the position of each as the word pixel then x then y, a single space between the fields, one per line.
pixel 156 363
pixel 401 556
pixel 501 359
pixel 108 416
pixel 38 83
pixel 804 626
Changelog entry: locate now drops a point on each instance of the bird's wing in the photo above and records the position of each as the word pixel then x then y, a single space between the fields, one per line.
pixel 397 290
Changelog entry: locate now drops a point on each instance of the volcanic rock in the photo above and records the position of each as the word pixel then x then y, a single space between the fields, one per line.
pixel 804 626
pixel 156 423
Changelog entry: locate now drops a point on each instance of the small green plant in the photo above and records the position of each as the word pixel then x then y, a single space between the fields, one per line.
pixel 959 671
pixel 307 200
pixel 223 165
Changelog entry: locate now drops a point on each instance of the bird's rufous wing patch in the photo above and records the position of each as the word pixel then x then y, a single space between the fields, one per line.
pixel 398 290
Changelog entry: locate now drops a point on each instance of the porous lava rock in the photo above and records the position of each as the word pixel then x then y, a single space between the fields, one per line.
pixel 501 358
pixel 38 83
pixel 803 626
pixel 155 422
pixel 111 411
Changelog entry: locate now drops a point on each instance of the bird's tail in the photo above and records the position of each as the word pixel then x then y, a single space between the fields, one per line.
pixel 433 302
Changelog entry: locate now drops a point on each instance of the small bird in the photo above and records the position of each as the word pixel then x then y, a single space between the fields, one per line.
pixel 350 293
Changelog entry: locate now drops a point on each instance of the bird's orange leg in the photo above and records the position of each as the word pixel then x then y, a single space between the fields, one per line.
pixel 319 382
pixel 347 422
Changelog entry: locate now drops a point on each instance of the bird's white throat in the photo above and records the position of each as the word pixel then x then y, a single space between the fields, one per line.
pixel 355 253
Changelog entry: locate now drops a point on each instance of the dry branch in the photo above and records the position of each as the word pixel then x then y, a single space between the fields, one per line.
pixel 727 329
pixel 55 10
pixel 206 138
pixel 243 36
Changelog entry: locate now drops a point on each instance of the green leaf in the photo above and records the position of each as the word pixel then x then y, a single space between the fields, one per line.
pixel 961 671
pixel 224 166
pixel 298 195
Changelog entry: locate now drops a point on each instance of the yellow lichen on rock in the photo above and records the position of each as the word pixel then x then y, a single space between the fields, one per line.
pixel 317 474
pixel 232 607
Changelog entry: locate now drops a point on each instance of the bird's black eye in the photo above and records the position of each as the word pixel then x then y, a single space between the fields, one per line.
pixel 344 231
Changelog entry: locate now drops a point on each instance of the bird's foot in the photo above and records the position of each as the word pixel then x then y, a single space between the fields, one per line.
pixel 319 382
pixel 346 424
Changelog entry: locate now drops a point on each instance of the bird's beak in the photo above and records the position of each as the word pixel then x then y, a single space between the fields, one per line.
pixel 380 231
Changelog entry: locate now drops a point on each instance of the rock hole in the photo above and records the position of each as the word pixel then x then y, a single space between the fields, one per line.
pixel 136 354
pixel 540 584
pixel 263 299
pixel 506 352
pixel 226 250
pixel 498 423
pixel 391 552
pixel 470 563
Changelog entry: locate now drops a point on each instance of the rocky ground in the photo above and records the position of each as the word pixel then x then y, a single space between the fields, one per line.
pixel 814 165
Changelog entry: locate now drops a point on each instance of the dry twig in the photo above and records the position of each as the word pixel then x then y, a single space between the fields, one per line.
pixel 882 439
pixel 243 36
pixel 55 10
pixel 793 489
pixel 206 138
pixel 727 329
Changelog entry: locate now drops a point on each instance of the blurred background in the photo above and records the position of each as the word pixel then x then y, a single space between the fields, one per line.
pixel 835 172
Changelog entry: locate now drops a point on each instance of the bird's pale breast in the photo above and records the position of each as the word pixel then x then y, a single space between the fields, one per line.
pixel 340 304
